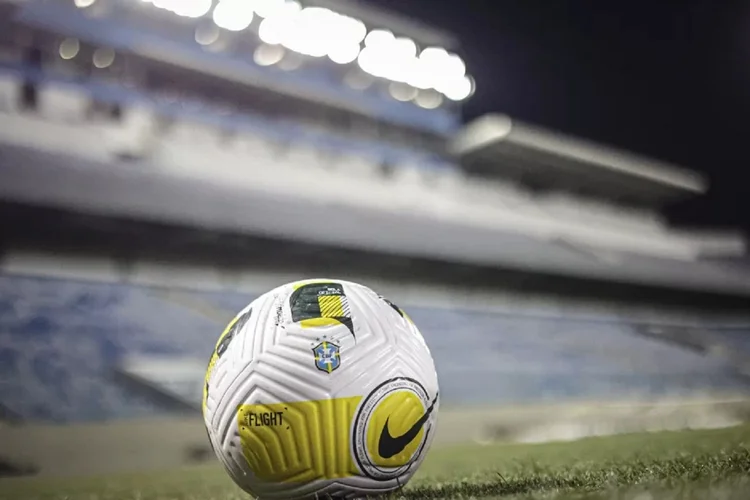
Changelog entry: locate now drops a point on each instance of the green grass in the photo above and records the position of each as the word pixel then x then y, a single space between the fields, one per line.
pixel 712 464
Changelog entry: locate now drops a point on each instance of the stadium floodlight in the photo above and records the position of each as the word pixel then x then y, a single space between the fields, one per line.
pixel 403 54
pixel 274 28
pixel 346 35
pixel 404 47
pixel 319 32
pixel 207 34
pixel 357 79
pixel 374 62
pixel 183 8
pixel 82 4
pixel 350 29
pixel 233 15
pixel 270 31
pixel 375 57
pixel 191 8
pixel 428 99
pixel 344 53
pixel 434 61
pixel 103 58
pixel 389 57
pixel 69 48
pixel 314 32
pixel 455 65
pixel 311 32
pixel 271 8
pixel 402 91
pixel 420 76
pixel 395 59
pixel 445 72
pixel 268 55
pixel 290 62
pixel 457 89
pixel 376 39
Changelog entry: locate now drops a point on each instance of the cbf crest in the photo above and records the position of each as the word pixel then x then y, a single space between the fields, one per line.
pixel 327 356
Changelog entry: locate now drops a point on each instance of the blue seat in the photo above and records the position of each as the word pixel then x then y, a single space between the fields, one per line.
pixel 60 341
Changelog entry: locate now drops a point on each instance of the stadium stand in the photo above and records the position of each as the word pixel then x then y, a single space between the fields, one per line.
pixel 121 113
pixel 134 29
pixel 177 140
pixel 63 343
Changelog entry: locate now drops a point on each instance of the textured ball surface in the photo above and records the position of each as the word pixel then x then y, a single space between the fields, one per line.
pixel 321 387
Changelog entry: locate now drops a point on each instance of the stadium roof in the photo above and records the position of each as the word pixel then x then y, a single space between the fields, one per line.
pixel 498 145
pixel 155 195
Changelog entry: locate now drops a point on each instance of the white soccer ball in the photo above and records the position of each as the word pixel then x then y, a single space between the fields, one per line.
pixel 321 388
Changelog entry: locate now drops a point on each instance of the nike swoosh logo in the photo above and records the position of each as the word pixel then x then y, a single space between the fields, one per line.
pixel 389 446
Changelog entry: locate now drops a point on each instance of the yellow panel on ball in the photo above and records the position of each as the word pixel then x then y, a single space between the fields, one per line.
pixel 299 442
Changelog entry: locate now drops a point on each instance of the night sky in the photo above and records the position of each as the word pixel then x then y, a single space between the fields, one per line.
pixel 669 79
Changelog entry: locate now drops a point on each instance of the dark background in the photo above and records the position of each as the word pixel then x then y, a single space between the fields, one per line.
pixel 669 79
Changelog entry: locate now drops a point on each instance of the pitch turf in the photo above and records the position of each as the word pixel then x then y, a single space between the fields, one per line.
pixel 711 464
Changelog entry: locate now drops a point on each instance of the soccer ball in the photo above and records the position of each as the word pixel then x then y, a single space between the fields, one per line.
pixel 320 389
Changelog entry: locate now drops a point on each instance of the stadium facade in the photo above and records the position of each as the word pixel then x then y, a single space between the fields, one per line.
pixel 162 163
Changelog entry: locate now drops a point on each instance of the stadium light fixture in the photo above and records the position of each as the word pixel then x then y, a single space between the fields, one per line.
pixel 401 91
pixel 270 31
pixel 314 32
pixel 274 28
pixel 320 32
pixel 69 48
pixel 435 69
pixel 455 65
pixel 268 55
pixel 420 76
pixel 207 34
pixel 378 38
pixel 351 29
pixel 233 15
pixel 373 62
pixel 183 8
pixel 346 34
pixel 271 8
pixel 395 59
pixel 310 32
pixel 375 58
pixel 192 8
pixel 82 4
pixel 457 89
pixel 103 58
pixel 344 53
pixel 403 54
pixel 357 79
pixel 428 99
pixel 404 47
pixel 290 62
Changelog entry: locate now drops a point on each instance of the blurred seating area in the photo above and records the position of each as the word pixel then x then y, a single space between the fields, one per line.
pixel 182 120
pixel 111 122
pixel 63 343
